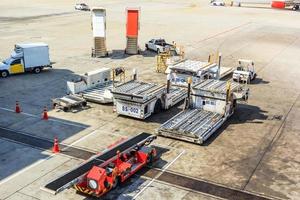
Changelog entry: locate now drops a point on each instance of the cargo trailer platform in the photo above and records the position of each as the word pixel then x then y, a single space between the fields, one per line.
pixel 192 125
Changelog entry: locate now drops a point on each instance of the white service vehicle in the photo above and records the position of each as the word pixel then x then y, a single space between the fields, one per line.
pixel 217 3
pixel 82 6
pixel 159 46
pixel 212 103
pixel 27 57
pixel 140 100
pixel 95 86
pixel 244 72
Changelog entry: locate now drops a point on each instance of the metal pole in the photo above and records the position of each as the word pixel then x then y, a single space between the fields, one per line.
pixel 134 76
pixel 219 65
pixel 188 93
pixel 168 83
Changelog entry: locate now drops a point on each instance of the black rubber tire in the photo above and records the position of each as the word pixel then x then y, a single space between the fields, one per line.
pixel 84 104
pixel 37 70
pixel 116 182
pixel 4 73
pixel 157 107
pixel 146 46
pixel 157 51
pixel 254 77
pixel 150 158
pixel 65 109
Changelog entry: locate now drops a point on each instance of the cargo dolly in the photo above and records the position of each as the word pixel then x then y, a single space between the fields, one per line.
pixel 69 102
pixel 103 172
pixel 140 99
pixel 96 86
pixel 212 103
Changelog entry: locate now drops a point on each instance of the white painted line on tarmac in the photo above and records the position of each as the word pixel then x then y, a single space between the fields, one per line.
pixel 25 169
pixel 158 175
pixel 40 117
pixel 81 139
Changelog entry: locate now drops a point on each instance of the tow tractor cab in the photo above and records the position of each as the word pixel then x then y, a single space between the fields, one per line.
pixel 105 171
pixel 29 57
pixel 244 72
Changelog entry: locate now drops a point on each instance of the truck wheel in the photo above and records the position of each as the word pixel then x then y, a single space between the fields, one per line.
pixel 37 70
pixel 116 182
pixel 146 46
pixel 158 51
pixel 4 74
pixel 157 107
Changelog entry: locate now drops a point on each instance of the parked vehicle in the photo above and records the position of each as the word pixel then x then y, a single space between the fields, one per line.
pixel 140 99
pixel 212 103
pixel 29 57
pixel 105 171
pixel 217 3
pixel 245 71
pixel 159 45
pixel 82 6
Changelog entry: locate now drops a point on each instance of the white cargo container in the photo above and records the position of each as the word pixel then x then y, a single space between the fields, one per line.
pixel 27 57
pixel 94 86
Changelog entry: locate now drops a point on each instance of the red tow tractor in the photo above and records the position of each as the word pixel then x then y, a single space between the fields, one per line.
pixel 105 171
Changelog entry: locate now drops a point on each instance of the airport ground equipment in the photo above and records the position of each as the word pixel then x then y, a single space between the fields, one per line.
pixel 103 172
pixel 69 102
pixel 140 99
pixel 96 86
pixel 27 57
pixel 160 46
pixel 132 30
pixel 244 72
pixel 212 103
pixel 99 32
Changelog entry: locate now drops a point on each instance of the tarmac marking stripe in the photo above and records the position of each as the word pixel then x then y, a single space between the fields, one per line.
pixel 158 175
pixel 50 119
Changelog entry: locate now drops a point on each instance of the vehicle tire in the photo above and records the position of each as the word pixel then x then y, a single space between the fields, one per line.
pixel 150 158
pixel 37 70
pixel 65 109
pixel 116 182
pixel 146 46
pixel 84 104
pixel 254 77
pixel 157 107
pixel 4 73
pixel 158 51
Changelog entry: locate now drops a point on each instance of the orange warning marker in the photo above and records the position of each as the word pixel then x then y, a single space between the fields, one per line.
pixel 45 114
pixel 18 109
pixel 55 148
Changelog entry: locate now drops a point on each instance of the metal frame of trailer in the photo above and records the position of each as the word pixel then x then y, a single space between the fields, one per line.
pixel 197 123
pixel 75 175
pixel 69 102
pixel 96 94
pixel 140 99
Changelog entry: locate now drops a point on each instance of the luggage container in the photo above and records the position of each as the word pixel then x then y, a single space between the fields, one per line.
pixel 99 32
pixel 132 29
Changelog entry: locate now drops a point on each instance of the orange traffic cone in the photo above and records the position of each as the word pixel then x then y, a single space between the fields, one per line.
pixel 55 148
pixel 18 109
pixel 45 114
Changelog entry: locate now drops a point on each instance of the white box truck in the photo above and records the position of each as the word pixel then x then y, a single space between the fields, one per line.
pixel 27 57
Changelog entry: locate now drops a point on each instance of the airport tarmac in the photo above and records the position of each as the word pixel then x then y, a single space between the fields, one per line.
pixel 256 152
